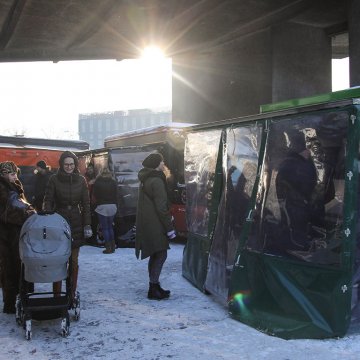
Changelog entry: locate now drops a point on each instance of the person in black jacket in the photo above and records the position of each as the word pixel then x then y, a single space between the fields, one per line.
pixel 295 183
pixel 14 210
pixel 67 194
pixel 42 175
pixel 105 193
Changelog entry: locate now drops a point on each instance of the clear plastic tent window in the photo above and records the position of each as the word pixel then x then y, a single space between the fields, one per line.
pixel 272 215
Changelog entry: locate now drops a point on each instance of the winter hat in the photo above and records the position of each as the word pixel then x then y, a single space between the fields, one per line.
pixel 153 161
pixel 8 167
pixel 41 164
pixel 68 154
pixel 296 141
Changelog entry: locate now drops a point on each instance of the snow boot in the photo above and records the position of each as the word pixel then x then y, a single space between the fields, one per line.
pixel 165 292
pixel 113 245
pixel 108 248
pixel 155 294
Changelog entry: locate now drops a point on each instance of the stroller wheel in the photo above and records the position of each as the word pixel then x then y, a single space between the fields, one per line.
pixel 65 327
pixel 28 332
pixel 77 314
pixel 64 332
pixel 76 306
pixel 19 315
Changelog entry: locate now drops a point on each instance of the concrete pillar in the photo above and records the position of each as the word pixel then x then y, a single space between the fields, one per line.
pixel 223 82
pixel 301 61
pixel 354 42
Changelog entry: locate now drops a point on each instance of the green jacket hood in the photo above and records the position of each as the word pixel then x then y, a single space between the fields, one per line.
pixel 146 173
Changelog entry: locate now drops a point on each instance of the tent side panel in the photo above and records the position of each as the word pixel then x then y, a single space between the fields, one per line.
pixel 293 272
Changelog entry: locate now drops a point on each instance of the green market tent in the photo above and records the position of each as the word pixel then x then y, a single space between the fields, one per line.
pixel 270 234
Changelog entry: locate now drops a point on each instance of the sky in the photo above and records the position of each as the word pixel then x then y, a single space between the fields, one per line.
pixel 117 321
pixel 44 99
pixel 340 74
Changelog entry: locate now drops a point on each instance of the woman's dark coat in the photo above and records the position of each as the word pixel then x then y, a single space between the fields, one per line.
pixel 68 195
pixel 105 190
pixel 41 181
pixel 153 218
pixel 295 183
pixel 11 220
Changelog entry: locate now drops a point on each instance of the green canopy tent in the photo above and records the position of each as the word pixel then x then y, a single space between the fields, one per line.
pixel 272 215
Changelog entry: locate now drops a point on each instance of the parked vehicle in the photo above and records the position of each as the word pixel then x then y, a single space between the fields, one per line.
pixel 26 152
pixel 124 154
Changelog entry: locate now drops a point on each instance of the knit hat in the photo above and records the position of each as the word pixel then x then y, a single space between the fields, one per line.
pixel 41 164
pixel 8 167
pixel 153 161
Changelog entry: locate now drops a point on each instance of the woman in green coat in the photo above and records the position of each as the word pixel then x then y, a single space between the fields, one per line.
pixel 154 227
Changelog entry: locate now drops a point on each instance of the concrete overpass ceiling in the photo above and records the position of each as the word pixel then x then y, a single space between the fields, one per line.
pixel 91 29
pixel 328 14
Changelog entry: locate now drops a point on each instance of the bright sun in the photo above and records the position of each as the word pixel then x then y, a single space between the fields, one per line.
pixel 152 54
pixel 154 64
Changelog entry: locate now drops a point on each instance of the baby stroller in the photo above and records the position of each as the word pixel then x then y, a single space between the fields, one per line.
pixel 45 253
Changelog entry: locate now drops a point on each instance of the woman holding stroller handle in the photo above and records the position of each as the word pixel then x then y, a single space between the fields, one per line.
pixel 105 193
pixel 68 195
pixel 154 227
pixel 14 210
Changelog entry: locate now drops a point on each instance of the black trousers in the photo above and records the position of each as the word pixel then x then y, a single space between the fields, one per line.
pixel 155 265
pixel 10 268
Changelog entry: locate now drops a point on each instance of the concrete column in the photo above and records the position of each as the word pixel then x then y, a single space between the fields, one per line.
pixel 301 61
pixel 354 42
pixel 223 82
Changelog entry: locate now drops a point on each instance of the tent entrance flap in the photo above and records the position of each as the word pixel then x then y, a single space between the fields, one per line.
pixel 240 163
pixel 201 168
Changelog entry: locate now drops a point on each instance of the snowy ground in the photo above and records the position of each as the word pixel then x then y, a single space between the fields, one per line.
pixel 119 322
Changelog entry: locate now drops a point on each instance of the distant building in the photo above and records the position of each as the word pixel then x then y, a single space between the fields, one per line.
pixel 93 128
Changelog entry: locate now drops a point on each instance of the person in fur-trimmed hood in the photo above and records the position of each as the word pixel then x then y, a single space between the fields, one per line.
pixel 154 227
pixel 14 210
pixel 67 193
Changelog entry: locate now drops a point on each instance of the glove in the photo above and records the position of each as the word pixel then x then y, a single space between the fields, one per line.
pixel 171 234
pixel 87 232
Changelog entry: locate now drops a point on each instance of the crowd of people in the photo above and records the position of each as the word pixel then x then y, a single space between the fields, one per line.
pixel 76 197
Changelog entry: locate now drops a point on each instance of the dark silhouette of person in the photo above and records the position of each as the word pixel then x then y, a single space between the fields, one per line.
pixel 90 177
pixel 42 175
pixel 295 183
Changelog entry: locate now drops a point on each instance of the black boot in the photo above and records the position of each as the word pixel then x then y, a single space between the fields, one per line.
pixel 108 248
pixel 113 246
pixel 166 292
pixel 154 293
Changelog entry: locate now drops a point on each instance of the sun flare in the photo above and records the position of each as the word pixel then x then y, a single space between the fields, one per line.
pixel 152 54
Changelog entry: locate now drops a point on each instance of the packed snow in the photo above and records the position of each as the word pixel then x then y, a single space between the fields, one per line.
pixel 119 322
